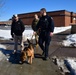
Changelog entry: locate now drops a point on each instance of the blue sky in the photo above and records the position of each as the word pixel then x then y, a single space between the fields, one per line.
pixel 24 6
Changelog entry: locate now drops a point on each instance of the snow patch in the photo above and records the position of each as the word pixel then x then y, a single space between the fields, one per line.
pixel 70 41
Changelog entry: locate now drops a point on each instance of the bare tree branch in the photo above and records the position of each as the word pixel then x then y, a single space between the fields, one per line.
pixel 2 6
pixel 2 3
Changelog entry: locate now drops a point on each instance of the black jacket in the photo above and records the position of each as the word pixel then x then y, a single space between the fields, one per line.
pixel 45 23
pixel 17 28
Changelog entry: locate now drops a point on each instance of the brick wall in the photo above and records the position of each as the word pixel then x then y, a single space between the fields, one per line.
pixel 27 18
pixel 58 17
pixel 68 17
pixel 5 22
pixel 61 18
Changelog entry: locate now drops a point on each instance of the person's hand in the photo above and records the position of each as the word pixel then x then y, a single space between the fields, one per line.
pixel 51 33
pixel 34 33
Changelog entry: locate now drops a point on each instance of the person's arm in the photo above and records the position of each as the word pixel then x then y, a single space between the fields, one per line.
pixel 12 29
pixel 22 26
pixel 32 25
pixel 51 26
pixel 38 25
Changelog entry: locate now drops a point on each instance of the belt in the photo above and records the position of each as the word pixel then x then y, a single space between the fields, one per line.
pixel 43 30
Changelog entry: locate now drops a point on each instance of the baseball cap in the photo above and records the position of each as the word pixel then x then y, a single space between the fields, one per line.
pixel 15 15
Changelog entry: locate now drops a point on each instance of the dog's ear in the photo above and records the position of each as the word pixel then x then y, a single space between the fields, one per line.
pixel 28 41
pixel 25 48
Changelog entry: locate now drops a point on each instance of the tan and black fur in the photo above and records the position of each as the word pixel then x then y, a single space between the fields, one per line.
pixel 28 53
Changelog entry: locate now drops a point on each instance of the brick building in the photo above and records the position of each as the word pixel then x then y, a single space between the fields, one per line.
pixel 61 17
pixel 6 22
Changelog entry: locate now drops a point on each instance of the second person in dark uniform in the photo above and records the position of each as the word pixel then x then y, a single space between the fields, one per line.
pixel 46 26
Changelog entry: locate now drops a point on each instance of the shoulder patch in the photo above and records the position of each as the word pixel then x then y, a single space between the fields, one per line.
pixel 51 18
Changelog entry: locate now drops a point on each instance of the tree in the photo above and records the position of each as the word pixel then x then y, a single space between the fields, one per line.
pixel 2 3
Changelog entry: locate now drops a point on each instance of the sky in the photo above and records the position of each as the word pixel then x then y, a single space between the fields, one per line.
pixel 25 6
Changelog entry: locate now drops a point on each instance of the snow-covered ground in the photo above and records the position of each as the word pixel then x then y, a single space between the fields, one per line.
pixel 71 64
pixel 70 40
pixel 61 29
pixel 28 33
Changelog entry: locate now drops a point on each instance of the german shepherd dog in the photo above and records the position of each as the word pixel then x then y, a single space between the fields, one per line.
pixel 27 53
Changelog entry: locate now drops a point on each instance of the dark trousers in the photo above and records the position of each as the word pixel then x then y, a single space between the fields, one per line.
pixel 44 42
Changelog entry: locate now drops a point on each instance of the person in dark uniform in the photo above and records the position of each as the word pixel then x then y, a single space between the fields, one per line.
pixel 46 26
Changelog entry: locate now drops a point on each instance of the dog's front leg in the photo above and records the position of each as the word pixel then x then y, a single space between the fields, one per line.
pixel 33 55
pixel 30 60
